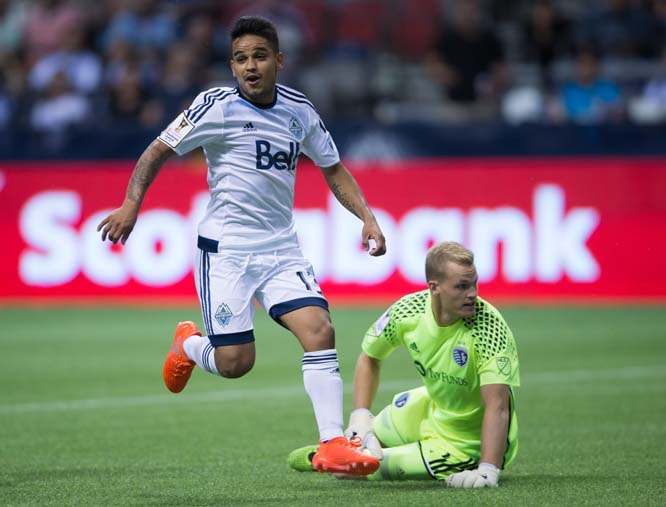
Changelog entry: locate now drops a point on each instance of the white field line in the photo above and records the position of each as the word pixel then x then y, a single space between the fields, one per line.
pixel 561 376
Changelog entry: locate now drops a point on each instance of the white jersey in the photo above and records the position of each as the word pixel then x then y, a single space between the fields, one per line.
pixel 251 150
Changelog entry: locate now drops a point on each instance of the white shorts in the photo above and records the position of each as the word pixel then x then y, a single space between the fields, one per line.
pixel 227 283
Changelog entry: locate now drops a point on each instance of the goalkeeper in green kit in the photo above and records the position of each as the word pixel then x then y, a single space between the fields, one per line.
pixel 461 425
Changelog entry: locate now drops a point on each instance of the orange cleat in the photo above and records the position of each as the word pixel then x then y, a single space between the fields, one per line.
pixel 339 455
pixel 177 366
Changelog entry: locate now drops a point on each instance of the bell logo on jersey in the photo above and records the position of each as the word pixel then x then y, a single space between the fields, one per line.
pixel 280 160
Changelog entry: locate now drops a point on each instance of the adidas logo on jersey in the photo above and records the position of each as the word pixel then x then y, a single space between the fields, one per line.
pixel 248 127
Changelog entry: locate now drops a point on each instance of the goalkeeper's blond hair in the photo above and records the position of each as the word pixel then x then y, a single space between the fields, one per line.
pixel 442 253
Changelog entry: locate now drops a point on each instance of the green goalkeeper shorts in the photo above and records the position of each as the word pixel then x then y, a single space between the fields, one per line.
pixel 413 450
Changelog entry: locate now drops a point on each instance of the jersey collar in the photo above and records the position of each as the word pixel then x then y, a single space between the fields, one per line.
pixel 257 104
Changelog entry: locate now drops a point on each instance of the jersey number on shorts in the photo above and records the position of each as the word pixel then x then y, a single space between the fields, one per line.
pixel 309 280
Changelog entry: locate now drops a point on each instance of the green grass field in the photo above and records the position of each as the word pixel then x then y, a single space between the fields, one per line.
pixel 85 419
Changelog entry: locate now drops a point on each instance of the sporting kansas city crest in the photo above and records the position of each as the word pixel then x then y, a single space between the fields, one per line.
pixel 296 128
pixel 460 356
pixel 401 400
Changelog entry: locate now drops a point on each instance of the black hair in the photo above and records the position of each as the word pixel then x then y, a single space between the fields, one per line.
pixel 256 25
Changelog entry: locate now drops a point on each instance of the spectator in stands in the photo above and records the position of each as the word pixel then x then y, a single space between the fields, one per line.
pixel 207 40
pixel 12 86
pixel 47 23
pixel 412 27
pixel 655 89
pixel 146 24
pixel 357 26
pixel 178 84
pixel 650 105
pixel 468 61
pixel 12 24
pixel 619 29
pixel 151 53
pixel 82 66
pixel 658 12
pixel 589 98
pixel 354 37
pixel 121 57
pixel 59 107
pixel 546 37
pixel 6 102
pixel 129 103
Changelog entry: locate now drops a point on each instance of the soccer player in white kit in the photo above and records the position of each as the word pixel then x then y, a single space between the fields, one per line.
pixel 252 136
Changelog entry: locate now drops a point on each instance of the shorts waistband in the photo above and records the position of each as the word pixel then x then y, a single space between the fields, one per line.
pixel 213 246
pixel 207 244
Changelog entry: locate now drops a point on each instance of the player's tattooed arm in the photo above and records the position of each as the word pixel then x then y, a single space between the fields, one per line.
pixel 346 190
pixel 120 223
pixel 342 198
pixel 147 167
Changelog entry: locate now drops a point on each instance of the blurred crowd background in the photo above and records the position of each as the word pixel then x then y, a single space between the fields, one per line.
pixel 96 78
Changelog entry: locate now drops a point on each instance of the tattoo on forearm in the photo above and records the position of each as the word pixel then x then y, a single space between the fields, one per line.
pixel 146 169
pixel 343 199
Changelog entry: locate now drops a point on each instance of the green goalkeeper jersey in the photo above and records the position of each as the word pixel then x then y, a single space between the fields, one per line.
pixel 454 362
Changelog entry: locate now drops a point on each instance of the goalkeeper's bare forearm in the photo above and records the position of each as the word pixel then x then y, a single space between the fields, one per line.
pixel 366 380
pixel 495 427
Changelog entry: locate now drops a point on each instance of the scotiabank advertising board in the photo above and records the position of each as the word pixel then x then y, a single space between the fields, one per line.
pixel 549 230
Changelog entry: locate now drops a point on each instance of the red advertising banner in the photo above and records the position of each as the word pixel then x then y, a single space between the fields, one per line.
pixel 564 230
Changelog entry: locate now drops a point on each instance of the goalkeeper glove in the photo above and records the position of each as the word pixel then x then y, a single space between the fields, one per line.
pixel 487 475
pixel 360 426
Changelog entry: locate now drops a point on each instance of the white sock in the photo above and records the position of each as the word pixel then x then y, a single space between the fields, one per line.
pixel 201 351
pixel 321 376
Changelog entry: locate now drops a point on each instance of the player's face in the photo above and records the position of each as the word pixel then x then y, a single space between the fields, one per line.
pixel 456 293
pixel 255 64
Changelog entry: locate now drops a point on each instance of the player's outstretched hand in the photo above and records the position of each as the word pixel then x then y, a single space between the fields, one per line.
pixel 371 231
pixel 486 476
pixel 119 224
